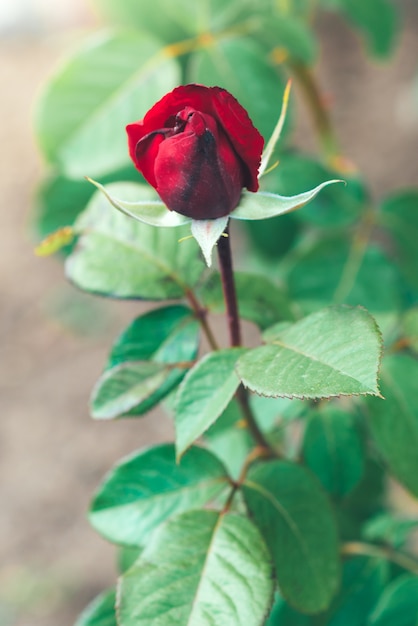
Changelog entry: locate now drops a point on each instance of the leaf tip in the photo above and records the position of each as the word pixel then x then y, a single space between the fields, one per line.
pixel 55 241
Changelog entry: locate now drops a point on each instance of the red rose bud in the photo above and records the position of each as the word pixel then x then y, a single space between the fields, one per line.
pixel 198 148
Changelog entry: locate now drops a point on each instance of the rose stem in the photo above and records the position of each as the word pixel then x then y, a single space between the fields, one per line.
pixel 231 304
pixel 228 286
pixel 201 314
pixel 356 548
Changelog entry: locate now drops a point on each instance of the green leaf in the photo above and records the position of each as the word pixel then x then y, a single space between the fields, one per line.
pixel 229 439
pixel 329 271
pixel 110 82
pixel 166 335
pixel 131 385
pixel 149 486
pixel 59 201
pixel 317 357
pixel 333 449
pixel 286 33
pixel 125 387
pixel 366 500
pixel 296 521
pixel 201 569
pixel 394 421
pixel 260 300
pixel 100 612
pixel 122 258
pixel 127 555
pixel 283 615
pixel 377 19
pixel 263 205
pixel 272 239
pixel 400 216
pixel 337 205
pixel 204 394
pixel 362 583
pixel 272 412
pixel 242 66
pixel 409 328
pixel 398 604
pixel 182 19
pixel 390 530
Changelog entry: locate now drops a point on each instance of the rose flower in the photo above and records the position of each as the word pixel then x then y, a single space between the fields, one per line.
pixel 198 148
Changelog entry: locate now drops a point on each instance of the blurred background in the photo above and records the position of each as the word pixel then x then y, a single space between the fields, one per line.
pixel 54 339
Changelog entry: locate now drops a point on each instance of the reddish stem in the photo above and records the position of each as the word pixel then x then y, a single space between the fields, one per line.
pixel 228 286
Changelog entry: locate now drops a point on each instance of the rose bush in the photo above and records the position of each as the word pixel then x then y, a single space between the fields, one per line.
pixel 198 148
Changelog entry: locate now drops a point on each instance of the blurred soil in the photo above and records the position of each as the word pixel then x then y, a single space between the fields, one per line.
pixel 52 455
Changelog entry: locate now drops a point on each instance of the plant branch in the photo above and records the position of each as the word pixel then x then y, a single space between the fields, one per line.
pixel 231 304
pixel 201 314
pixel 358 548
pixel 258 436
pixel 255 454
pixel 355 257
pixel 315 101
pixel 228 287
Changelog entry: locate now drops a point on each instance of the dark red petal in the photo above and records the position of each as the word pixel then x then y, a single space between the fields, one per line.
pixel 135 133
pixel 146 151
pixel 219 103
pixel 240 130
pixel 198 176
pixel 230 116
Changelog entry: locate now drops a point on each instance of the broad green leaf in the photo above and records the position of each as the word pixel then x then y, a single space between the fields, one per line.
pixel 287 34
pixel 85 107
pixel 272 412
pixel 362 583
pixel 329 271
pixel 202 568
pixel 333 449
pixel 172 22
pixel 124 387
pixel 149 486
pixel 100 612
pixel 229 439
pixel 133 382
pixel 282 614
pixel 377 19
pixel 58 202
pixel 166 335
pixel 126 557
pixel 242 66
pixel 400 216
pixel 260 300
pixel 394 421
pixel 390 530
pixel 337 205
pixel 297 523
pixel 204 394
pixel 366 500
pixel 263 205
pixel 317 357
pixel 409 329
pixel 122 258
pixel 272 239
pixel 398 604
